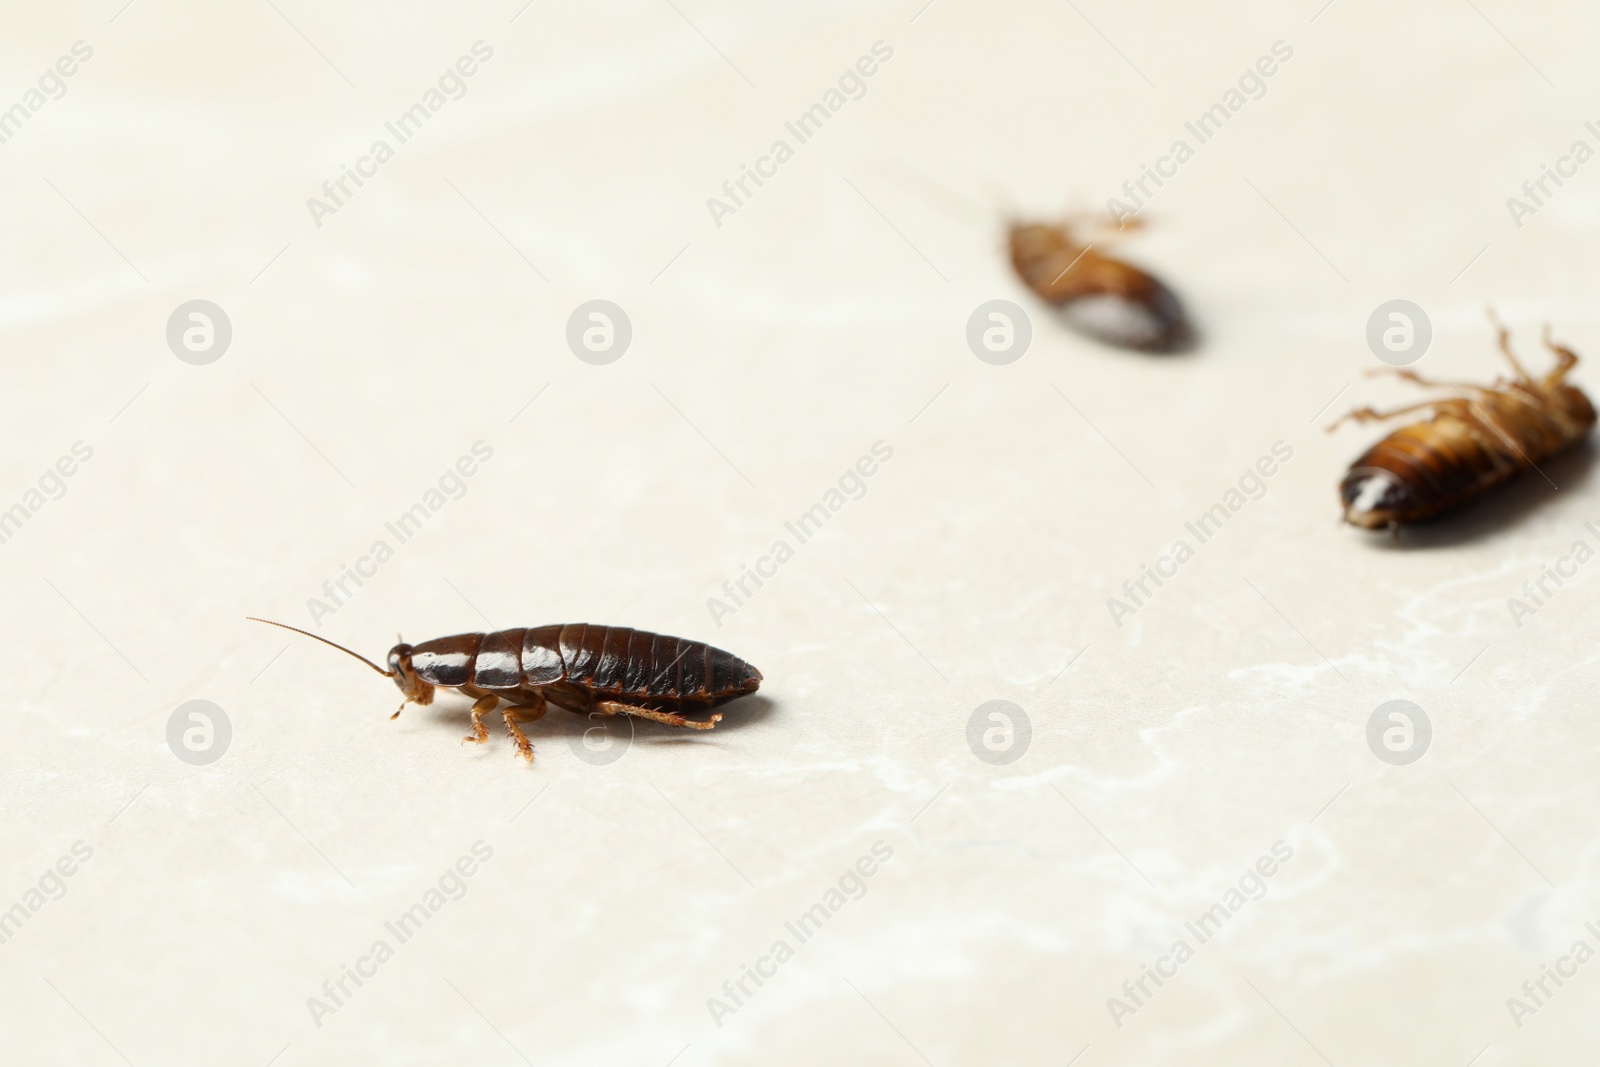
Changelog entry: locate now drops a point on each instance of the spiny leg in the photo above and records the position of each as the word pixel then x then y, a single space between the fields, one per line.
pixel 1368 414
pixel 1504 337
pixel 611 707
pixel 1427 383
pixel 529 712
pixel 481 707
pixel 1567 358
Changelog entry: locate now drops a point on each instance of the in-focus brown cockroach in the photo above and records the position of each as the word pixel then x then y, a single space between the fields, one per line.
pixel 1105 298
pixel 1474 442
pixel 586 669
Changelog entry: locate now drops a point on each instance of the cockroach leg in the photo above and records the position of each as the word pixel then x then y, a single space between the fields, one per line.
pixel 1368 414
pixel 1504 339
pixel 1566 357
pixel 609 707
pixel 529 712
pixel 1102 226
pixel 524 749
pixel 1427 383
pixel 481 707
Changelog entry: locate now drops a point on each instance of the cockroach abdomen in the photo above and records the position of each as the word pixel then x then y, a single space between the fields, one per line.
pixel 613 668
pixel 1154 324
pixel 541 656
pixel 499 662
pixel 664 664
pixel 1374 498
pixel 636 675
pixel 579 651
pixel 693 683
pixel 726 674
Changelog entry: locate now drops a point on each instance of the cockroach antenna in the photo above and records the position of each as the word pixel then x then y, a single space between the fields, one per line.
pixel 324 640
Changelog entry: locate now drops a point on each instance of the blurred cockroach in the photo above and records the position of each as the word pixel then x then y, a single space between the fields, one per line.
pixel 604 670
pixel 1106 298
pixel 1474 441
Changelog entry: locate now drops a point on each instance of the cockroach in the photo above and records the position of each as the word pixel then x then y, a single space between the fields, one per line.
pixel 1103 297
pixel 1474 442
pixel 586 669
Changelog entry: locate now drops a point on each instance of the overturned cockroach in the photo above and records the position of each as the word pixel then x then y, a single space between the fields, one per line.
pixel 1474 442
pixel 586 669
pixel 1106 298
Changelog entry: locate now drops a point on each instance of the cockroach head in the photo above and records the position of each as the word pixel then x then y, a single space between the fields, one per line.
pixel 406 678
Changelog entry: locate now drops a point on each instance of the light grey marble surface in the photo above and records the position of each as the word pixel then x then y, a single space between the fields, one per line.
pixel 613 908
